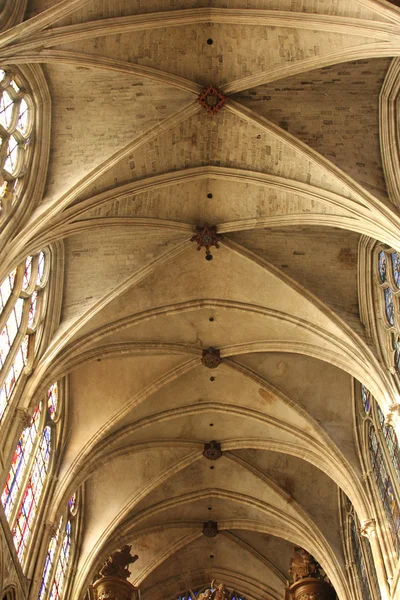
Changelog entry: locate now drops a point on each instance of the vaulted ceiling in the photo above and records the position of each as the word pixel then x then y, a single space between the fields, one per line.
pixel 291 172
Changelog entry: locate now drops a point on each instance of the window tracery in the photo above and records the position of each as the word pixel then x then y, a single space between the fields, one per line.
pixel 59 553
pixel 358 552
pixel 382 447
pixel 26 479
pixel 387 280
pixel 23 298
pixel 16 125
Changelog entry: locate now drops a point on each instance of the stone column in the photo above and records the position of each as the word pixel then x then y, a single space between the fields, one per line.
pixel 310 588
pixel 114 588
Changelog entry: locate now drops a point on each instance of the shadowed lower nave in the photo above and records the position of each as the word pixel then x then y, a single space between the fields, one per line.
pixel 211 414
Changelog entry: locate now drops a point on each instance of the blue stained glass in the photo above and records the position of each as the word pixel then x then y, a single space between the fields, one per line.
pixel 49 562
pixel 62 565
pixel 382 266
pixel 33 491
pixel 19 463
pixel 366 398
pixel 389 305
pixel 396 268
pixel 385 487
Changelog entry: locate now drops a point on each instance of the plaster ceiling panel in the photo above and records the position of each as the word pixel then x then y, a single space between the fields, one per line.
pixel 225 140
pixel 100 9
pixel 228 511
pixel 226 555
pixel 312 256
pixel 322 389
pixel 101 390
pixel 298 478
pixel 144 467
pixel 95 112
pixel 273 548
pixel 231 201
pixel 98 261
pixel 200 421
pixel 232 477
pixel 335 110
pixel 237 51
pixel 228 386
pixel 156 545
pixel 230 276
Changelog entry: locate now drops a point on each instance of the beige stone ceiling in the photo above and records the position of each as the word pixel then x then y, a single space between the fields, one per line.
pixel 294 166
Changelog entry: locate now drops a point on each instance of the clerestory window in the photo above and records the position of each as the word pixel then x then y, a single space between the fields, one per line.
pixel 27 478
pixel 23 300
pixel 16 126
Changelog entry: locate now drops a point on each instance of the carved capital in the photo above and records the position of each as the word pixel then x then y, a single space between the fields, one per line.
pixel 24 418
pixel 393 416
pixel 368 528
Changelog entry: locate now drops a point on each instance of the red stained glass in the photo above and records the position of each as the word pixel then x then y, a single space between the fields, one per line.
pixel 49 562
pixel 26 513
pixel 62 565
pixel 19 463
pixel 52 399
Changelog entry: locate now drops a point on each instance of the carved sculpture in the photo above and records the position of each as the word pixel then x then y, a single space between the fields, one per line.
pixel 211 358
pixel 212 450
pixel 308 580
pixel 206 237
pixel 210 529
pixel 117 564
pixel 212 99
pixel 302 564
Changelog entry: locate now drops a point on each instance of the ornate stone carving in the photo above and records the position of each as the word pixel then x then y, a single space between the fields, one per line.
pixel 114 588
pixel 24 418
pixel 368 528
pixel 210 529
pixel 211 358
pixel 212 450
pixel 206 237
pixel 308 580
pixel 212 99
pixel 310 589
pixel 393 415
pixel 302 565
pixel 117 564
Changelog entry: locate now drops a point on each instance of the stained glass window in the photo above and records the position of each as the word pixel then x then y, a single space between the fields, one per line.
pixel 361 556
pixel 27 476
pixel 382 266
pixel 359 562
pixel 22 304
pixel 396 268
pixel 59 555
pixel 385 486
pixel 388 284
pixel 48 565
pixel 19 463
pixel 62 564
pixel 16 122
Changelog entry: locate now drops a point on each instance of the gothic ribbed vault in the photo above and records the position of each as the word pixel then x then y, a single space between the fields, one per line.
pixel 291 171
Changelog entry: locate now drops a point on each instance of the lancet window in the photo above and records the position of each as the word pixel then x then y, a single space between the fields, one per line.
pixel 59 553
pixel 380 444
pixel 26 480
pixel 387 279
pixel 23 299
pixel 16 125
pixel 359 555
